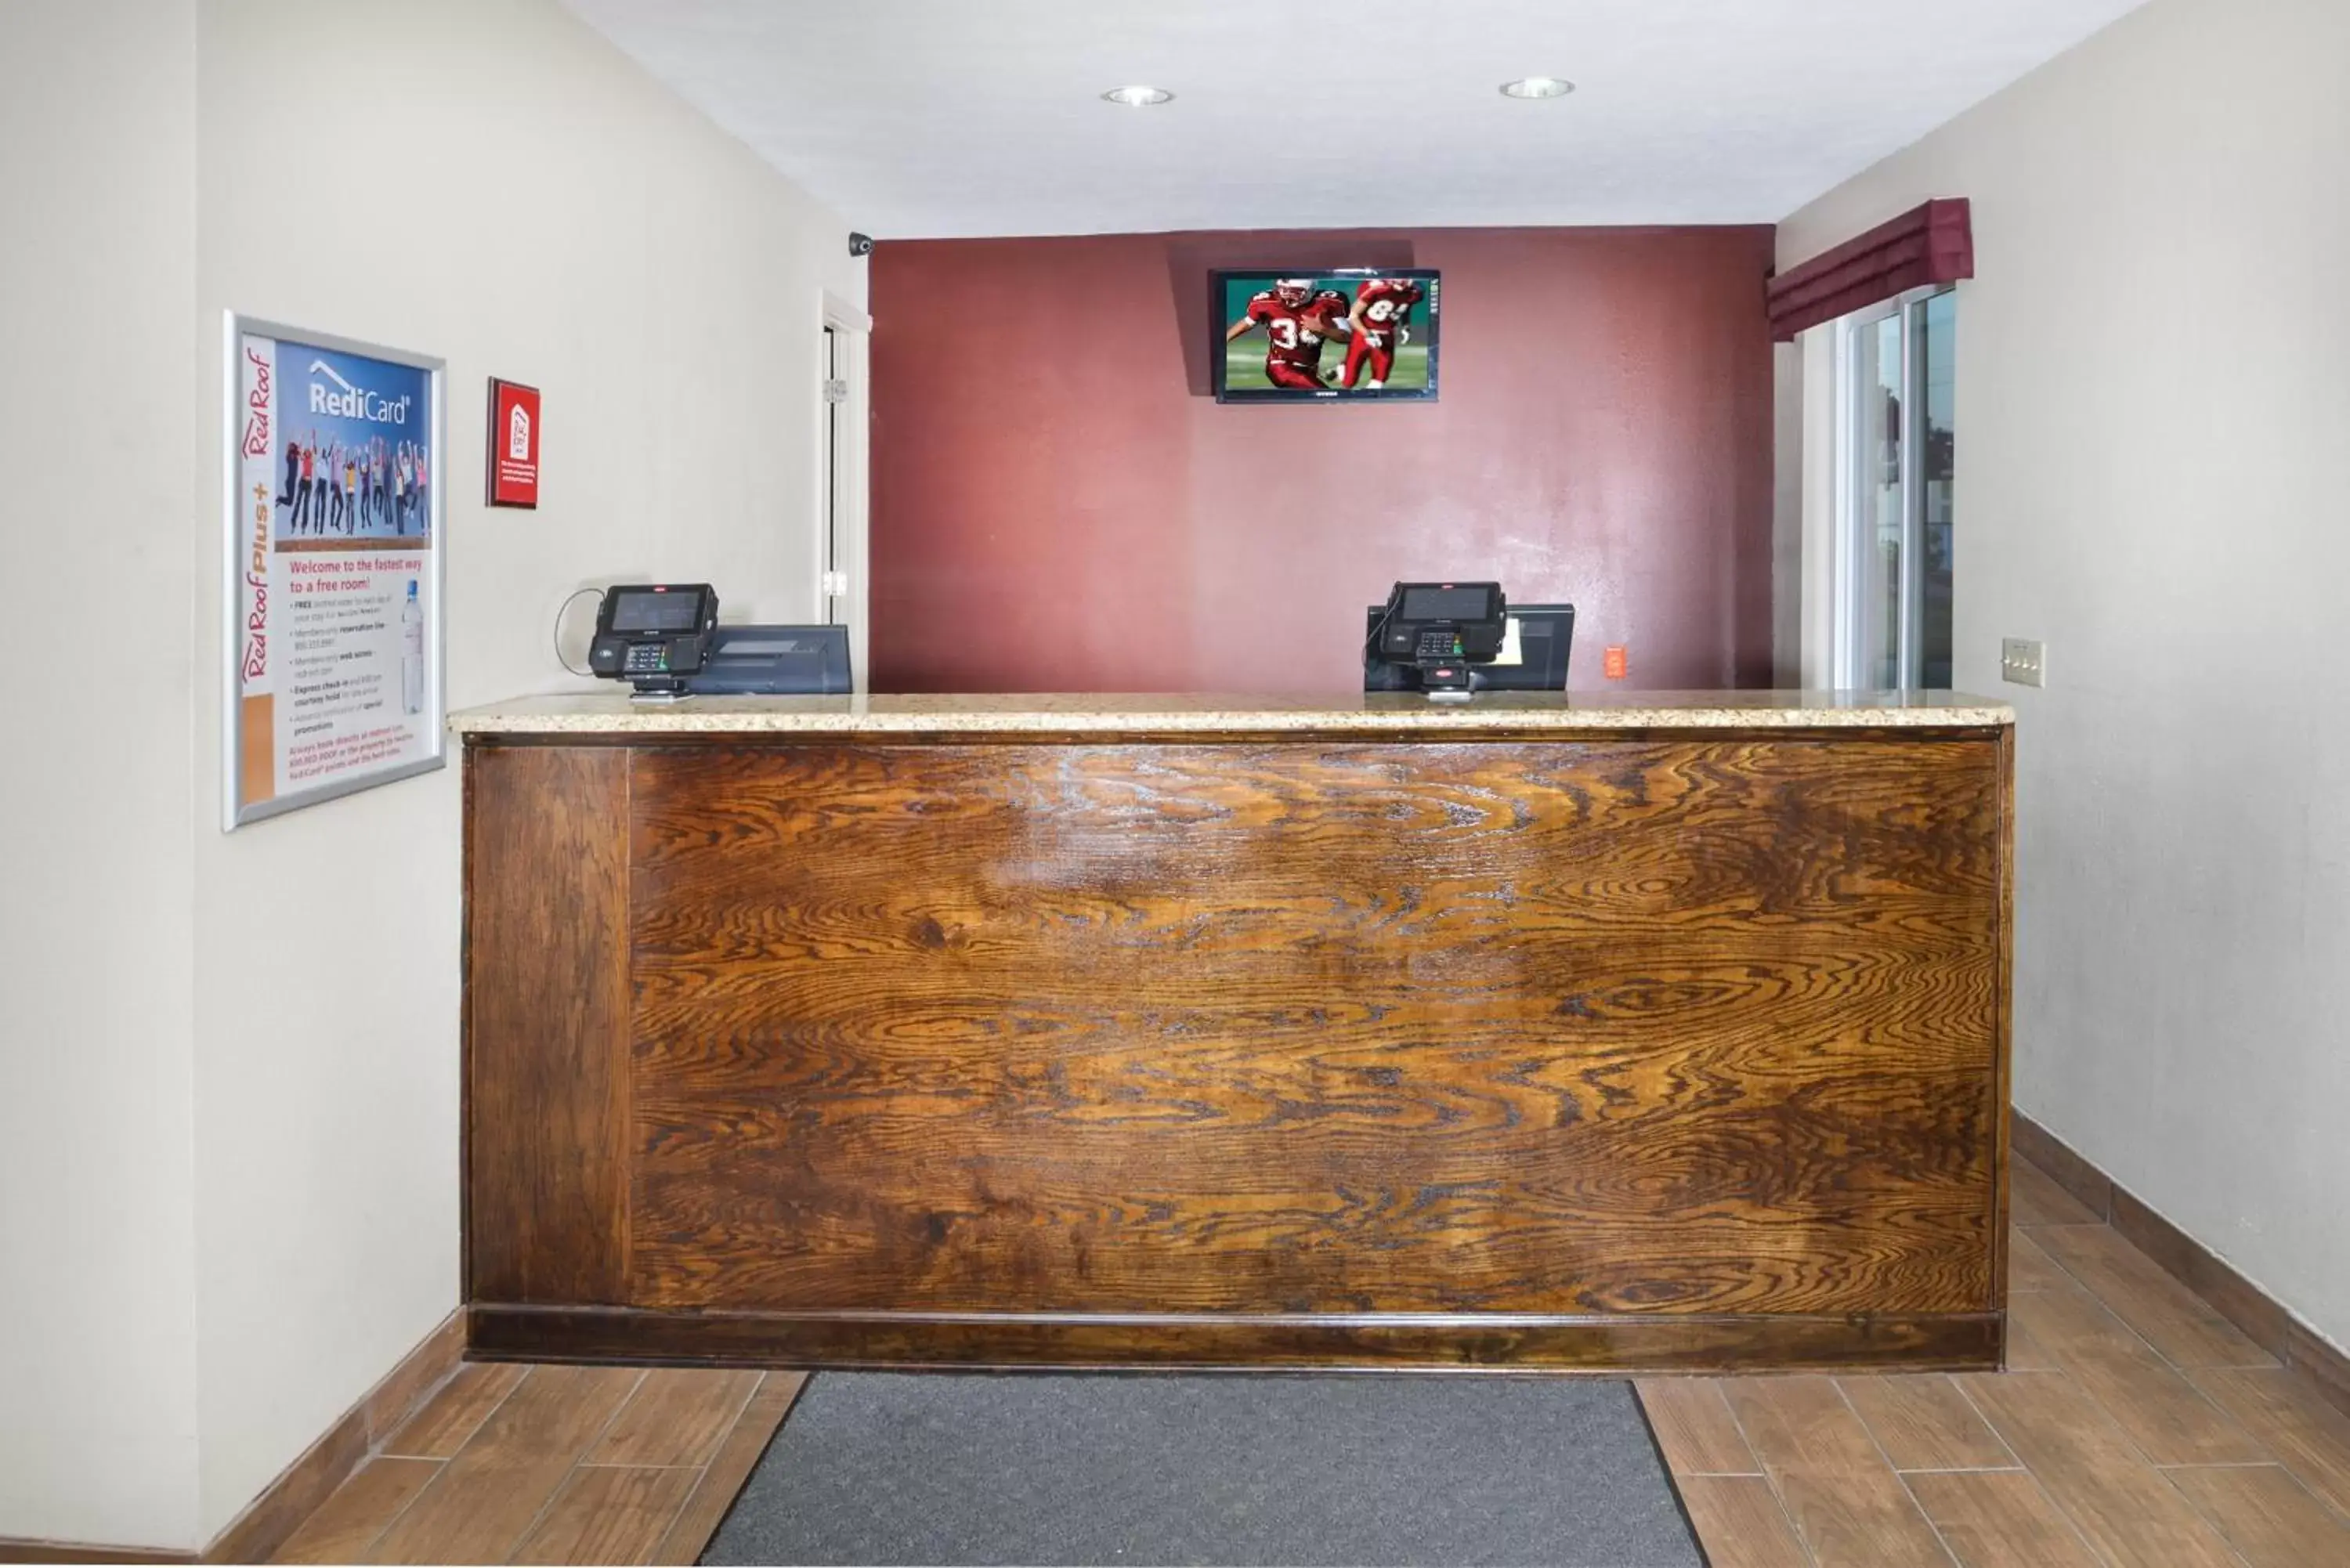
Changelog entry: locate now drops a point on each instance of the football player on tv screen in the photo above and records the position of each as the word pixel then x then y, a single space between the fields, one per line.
pixel 1296 321
pixel 1376 324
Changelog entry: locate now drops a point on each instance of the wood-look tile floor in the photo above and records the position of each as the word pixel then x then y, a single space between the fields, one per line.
pixel 2135 1426
pixel 554 1464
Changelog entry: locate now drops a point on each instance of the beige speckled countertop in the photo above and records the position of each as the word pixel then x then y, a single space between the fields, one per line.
pixel 612 712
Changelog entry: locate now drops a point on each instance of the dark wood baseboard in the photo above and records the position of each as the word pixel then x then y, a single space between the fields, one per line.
pixel 2263 1319
pixel 15 1549
pixel 2076 1176
pixel 268 1519
pixel 1614 1346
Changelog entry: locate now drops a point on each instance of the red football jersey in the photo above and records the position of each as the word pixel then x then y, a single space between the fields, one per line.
pixel 1296 332
pixel 1386 301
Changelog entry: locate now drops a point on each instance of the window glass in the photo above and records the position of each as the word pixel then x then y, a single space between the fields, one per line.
pixel 1895 554
pixel 1876 547
pixel 1936 336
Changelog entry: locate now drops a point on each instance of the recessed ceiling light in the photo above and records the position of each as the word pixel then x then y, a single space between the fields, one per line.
pixel 1137 97
pixel 1537 86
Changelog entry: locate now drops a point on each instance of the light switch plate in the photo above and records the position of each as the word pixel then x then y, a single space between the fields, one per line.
pixel 2024 660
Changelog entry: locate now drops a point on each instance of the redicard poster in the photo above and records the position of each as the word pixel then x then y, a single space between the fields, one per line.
pixel 335 522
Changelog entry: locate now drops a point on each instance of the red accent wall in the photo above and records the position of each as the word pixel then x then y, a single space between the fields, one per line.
pixel 1059 504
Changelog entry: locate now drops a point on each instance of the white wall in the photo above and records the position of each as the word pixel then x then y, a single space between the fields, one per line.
pixel 97 1431
pixel 228 1135
pixel 562 221
pixel 1787 514
pixel 2153 406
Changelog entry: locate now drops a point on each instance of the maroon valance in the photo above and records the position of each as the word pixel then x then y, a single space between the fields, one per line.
pixel 1932 243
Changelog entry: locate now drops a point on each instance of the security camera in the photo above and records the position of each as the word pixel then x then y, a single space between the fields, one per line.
pixel 861 244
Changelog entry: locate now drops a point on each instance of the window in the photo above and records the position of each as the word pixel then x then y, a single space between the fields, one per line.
pixel 1894 512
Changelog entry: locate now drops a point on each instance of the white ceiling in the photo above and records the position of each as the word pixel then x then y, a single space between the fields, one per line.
pixel 935 118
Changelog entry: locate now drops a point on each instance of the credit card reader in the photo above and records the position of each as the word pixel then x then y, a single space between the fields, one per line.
pixel 1444 631
pixel 654 634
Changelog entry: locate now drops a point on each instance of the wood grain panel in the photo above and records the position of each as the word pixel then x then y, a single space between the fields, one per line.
pixel 2169 1421
pixel 2056 1160
pixel 1925 1424
pixel 2173 1319
pixel 1660 1342
pixel 1863 1519
pixel 2121 1506
pixel 478 1508
pixel 436 1359
pixel 1998 1519
pixel 2025 1354
pixel 2291 1418
pixel 676 1418
pixel 1654 1026
pixel 1801 1424
pixel 729 1468
pixel 546 1023
pixel 1694 1427
pixel 360 1509
pixel 2267 1516
pixel 1849 1507
pixel 608 1513
pixel 446 1421
pixel 2003 1217
pixel 2261 1317
pixel 2030 1268
pixel 2038 1201
pixel 1740 1522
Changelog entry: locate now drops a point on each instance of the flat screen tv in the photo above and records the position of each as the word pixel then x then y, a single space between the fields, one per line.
pixel 1330 336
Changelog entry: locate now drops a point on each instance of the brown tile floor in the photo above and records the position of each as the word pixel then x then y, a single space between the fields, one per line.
pixel 554 1464
pixel 2136 1426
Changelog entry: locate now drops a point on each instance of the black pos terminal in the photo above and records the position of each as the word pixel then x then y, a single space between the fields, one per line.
pixel 664 640
pixel 1441 630
pixel 653 636
pixel 1450 640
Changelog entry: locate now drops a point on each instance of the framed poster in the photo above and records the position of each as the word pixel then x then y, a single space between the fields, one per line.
pixel 332 568
pixel 511 445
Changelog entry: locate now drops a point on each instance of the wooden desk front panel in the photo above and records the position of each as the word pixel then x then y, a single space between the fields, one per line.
pixel 1700 1029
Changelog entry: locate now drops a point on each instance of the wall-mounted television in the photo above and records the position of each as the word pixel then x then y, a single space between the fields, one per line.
pixel 1343 333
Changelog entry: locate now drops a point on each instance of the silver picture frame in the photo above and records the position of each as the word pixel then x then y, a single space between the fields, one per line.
pixel 234 327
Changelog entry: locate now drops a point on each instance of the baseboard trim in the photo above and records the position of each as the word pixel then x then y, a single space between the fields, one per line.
pixel 21 1549
pixel 254 1535
pixel 1614 1346
pixel 2264 1319
pixel 2085 1182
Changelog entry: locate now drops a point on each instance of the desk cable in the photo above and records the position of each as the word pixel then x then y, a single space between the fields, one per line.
pixel 583 674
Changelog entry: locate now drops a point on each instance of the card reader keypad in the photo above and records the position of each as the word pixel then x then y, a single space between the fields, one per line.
pixel 646 659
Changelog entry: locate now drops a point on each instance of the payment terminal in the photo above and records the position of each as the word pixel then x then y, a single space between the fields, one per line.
pixel 654 634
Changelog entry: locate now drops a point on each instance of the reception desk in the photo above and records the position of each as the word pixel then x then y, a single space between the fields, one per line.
pixel 1547 1032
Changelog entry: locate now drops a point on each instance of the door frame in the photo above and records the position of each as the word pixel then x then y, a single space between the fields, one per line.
pixel 843 483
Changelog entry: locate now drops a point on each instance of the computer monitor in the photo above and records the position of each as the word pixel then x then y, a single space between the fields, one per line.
pixel 1533 658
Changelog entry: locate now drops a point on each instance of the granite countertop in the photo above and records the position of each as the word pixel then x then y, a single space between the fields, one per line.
pixel 612 712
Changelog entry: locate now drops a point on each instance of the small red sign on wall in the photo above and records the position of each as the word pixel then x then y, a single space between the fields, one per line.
pixel 512 444
pixel 1613 663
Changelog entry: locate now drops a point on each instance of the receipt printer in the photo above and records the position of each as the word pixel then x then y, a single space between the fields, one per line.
pixel 775 662
pixel 654 634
